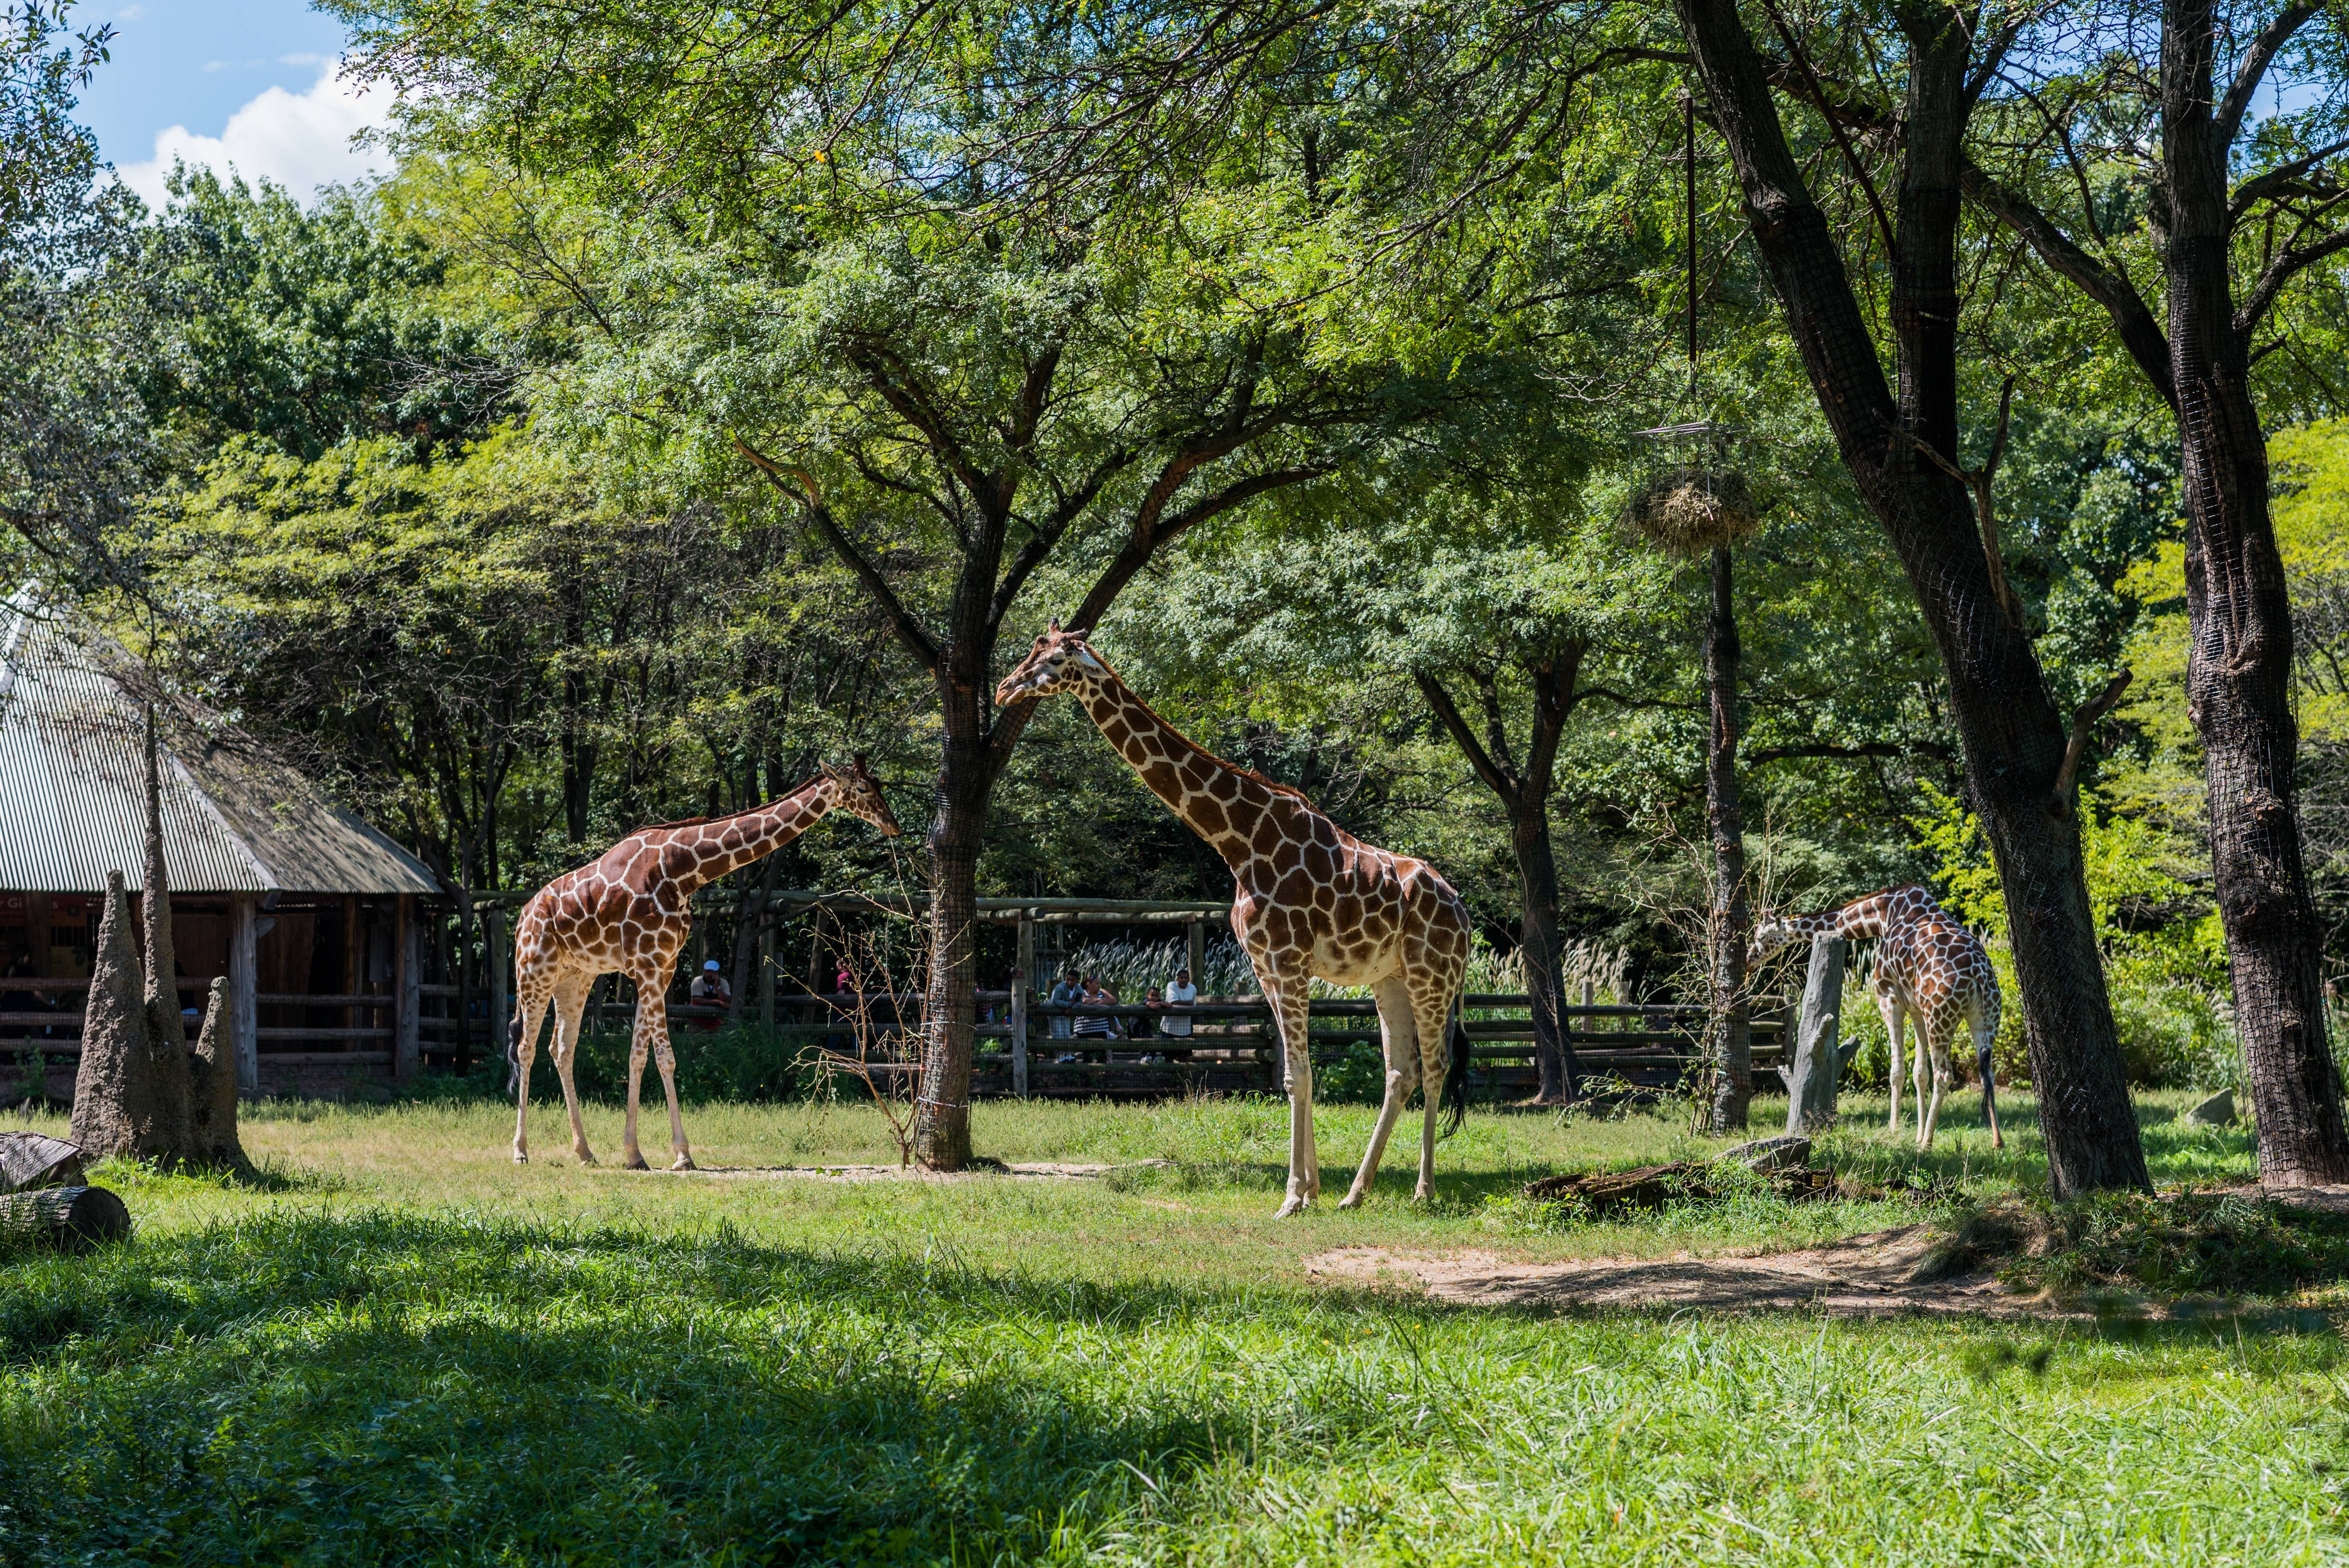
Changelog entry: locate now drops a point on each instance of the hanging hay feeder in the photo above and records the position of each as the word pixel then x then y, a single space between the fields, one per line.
pixel 1694 498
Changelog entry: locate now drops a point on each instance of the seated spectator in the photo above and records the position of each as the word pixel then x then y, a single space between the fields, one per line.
pixel 711 990
pixel 1064 991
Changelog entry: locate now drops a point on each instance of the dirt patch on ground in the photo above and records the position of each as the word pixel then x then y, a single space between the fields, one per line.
pixel 1031 1171
pixel 1864 1276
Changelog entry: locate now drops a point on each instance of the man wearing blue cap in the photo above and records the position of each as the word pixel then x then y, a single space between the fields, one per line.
pixel 711 990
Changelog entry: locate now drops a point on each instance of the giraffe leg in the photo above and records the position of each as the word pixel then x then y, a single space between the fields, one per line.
pixel 1919 1068
pixel 1401 1047
pixel 1939 1031
pixel 1431 1007
pixel 632 1157
pixel 1985 1034
pixel 1889 1005
pixel 653 1018
pixel 534 1010
pixel 1289 1001
pixel 570 1013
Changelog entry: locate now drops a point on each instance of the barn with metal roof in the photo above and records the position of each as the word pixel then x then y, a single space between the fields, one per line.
pixel 311 912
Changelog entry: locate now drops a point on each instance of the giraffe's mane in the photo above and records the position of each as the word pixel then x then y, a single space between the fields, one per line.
pixel 704 822
pixel 1274 785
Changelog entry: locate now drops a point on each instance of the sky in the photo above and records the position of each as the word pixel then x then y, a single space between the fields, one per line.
pixel 243 84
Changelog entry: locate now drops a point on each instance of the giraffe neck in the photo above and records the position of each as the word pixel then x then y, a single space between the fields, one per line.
pixel 700 855
pixel 1864 918
pixel 1160 755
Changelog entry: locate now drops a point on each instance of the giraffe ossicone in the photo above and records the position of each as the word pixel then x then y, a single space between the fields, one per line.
pixel 629 913
pixel 1309 902
pixel 1930 970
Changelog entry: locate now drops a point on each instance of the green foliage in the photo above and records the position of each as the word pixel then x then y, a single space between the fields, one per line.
pixel 306 327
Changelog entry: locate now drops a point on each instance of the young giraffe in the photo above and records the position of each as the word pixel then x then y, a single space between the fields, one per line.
pixel 630 911
pixel 1929 968
pixel 1308 902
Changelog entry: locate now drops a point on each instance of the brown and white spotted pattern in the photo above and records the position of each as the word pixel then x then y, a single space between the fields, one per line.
pixel 1930 970
pixel 629 913
pixel 1309 902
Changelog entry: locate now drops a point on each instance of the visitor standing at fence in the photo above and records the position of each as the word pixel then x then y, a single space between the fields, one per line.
pixel 1065 992
pixel 1176 1025
pixel 1096 1026
pixel 711 990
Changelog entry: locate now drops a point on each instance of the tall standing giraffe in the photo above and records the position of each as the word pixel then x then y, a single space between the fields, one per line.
pixel 1309 902
pixel 630 911
pixel 1930 968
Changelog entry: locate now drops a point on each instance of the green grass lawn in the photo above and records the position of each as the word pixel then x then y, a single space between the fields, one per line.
pixel 399 1346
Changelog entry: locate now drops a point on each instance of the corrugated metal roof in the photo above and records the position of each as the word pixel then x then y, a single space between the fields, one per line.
pixel 73 790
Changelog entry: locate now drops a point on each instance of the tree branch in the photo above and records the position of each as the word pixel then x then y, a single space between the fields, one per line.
pixel 2227 120
pixel 1850 753
pixel 2140 334
pixel 2083 722
pixel 1448 714
pixel 2279 273
pixel 1835 127
pixel 910 631
pixel 2269 182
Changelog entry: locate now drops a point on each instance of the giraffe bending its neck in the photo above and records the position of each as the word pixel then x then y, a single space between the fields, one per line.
pixel 1309 902
pixel 1929 969
pixel 630 912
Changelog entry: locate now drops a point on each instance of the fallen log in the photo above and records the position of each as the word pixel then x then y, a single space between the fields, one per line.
pixel 68 1219
pixel 1653 1186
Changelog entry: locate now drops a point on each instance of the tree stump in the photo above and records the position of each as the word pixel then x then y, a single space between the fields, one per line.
pixel 68 1219
pixel 1818 1060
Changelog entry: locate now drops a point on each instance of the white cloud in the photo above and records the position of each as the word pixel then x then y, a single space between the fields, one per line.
pixel 299 140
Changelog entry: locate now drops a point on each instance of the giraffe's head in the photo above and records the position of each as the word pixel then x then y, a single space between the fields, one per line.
pixel 854 789
pixel 1773 932
pixel 1059 661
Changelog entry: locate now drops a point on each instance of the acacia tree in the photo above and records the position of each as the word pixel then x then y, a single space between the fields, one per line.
pixel 975 407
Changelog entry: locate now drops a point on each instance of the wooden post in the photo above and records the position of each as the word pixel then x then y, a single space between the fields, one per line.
pixel 766 972
pixel 354 963
pixel 494 964
pixel 37 933
pixel 1811 1078
pixel 243 988
pixel 408 976
pixel 817 978
pixel 1196 949
pixel 1023 981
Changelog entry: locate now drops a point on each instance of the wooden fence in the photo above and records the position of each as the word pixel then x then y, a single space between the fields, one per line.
pixel 1021 1050
pixel 1232 1047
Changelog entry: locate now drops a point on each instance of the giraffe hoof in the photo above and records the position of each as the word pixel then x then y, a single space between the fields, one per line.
pixel 635 1161
pixel 685 1163
pixel 522 1157
pixel 1289 1206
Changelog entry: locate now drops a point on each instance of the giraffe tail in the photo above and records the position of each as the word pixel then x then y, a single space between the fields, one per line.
pixel 1455 1072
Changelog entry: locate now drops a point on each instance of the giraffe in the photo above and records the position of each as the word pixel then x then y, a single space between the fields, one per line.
pixel 1309 902
pixel 629 911
pixel 1929 968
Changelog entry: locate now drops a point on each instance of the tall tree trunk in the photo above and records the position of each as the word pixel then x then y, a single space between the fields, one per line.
pixel 1542 945
pixel 2012 736
pixel 942 1118
pixel 2239 669
pixel 1729 931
